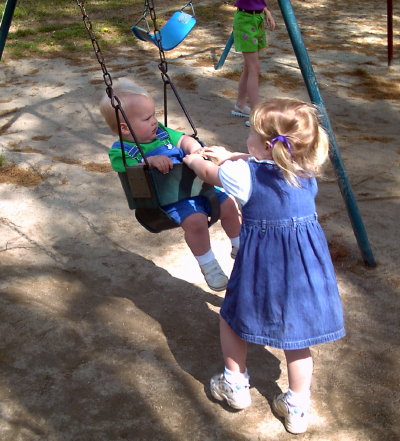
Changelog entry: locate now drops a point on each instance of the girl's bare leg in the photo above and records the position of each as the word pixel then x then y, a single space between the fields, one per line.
pixel 234 349
pixel 300 369
pixel 249 80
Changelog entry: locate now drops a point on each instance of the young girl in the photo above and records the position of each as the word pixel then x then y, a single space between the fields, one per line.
pixel 282 291
pixel 250 20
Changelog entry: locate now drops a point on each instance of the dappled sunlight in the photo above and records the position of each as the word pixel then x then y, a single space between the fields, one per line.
pixel 109 331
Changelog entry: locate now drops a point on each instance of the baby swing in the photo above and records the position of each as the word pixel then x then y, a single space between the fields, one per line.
pixel 172 33
pixel 145 188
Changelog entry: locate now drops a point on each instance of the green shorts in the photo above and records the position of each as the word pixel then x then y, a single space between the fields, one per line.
pixel 249 32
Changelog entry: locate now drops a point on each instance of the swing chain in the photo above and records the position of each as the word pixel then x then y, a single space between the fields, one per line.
pixel 96 47
pixel 163 66
pixel 115 101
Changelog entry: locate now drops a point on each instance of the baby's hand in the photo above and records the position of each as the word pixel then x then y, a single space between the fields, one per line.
pixel 189 160
pixel 217 154
pixel 162 163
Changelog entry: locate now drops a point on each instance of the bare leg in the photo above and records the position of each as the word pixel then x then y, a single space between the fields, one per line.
pixel 231 218
pixel 234 349
pixel 300 368
pixel 197 236
pixel 249 80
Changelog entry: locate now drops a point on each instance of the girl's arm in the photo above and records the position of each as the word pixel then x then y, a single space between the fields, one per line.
pixel 205 170
pixel 269 19
pixel 220 154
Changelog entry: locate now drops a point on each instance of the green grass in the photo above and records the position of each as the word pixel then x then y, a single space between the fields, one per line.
pixel 55 28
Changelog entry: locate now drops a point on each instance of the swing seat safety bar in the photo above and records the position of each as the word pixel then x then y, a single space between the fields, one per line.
pixel 175 30
pixel 147 190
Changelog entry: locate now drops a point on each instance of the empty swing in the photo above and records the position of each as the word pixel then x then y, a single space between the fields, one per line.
pixel 172 33
pixel 146 189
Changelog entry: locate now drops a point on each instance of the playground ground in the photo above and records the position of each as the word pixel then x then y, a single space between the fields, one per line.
pixel 108 332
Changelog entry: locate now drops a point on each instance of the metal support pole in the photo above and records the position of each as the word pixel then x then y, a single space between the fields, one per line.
pixel 315 96
pixel 225 52
pixel 6 22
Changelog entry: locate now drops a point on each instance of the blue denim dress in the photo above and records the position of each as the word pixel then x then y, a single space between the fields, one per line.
pixel 282 291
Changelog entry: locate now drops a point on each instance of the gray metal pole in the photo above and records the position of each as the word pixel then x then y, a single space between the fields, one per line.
pixel 6 22
pixel 315 96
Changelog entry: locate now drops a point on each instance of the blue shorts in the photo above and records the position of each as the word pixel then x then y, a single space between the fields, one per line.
pixel 180 210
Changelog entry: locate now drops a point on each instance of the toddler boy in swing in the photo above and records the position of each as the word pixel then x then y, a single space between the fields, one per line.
pixel 164 147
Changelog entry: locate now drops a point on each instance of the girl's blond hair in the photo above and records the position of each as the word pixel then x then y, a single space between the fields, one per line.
pixel 124 89
pixel 298 122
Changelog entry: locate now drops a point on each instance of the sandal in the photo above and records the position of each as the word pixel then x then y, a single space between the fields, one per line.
pixel 242 112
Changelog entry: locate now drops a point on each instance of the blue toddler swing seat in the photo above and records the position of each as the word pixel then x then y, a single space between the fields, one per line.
pixel 172 33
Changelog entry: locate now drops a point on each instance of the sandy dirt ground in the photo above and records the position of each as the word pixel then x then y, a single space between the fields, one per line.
pixel 108 332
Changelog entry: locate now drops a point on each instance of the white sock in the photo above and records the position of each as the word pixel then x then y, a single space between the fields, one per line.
pixel 298 399
pixel 235 241
pixel 205 258
pixel 237 378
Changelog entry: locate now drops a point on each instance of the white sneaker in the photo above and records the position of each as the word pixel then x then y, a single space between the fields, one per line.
pixel 242 112
pixel 296 419
pixel 216 279
pixel 247 123
pixel 237 397
pixel 234 252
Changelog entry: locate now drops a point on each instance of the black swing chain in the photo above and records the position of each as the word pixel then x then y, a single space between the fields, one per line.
pixel 115 101
pixel 163 66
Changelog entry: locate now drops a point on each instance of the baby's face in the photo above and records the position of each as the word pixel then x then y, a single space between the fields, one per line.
pixel 141 115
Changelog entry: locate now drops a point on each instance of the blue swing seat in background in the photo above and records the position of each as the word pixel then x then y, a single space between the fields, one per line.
pixel 172 33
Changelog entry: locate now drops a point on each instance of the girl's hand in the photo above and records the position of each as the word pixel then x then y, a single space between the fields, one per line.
pixel 162 163
pixel 269 20
pixel 191 159
pixel 217 154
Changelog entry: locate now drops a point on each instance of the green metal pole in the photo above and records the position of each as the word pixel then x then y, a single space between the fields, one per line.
pixel 6 22
pixel 315 96
pixel 225 52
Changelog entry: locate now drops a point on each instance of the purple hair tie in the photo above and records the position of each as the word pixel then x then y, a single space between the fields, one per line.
pixel 284 141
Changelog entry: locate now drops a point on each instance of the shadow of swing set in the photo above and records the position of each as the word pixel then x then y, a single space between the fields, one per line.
pixel 147 190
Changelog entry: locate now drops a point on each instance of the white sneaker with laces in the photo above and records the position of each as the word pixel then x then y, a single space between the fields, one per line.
pixel 236 396
pixel 243 112
pixel 216 279
pixel 296 418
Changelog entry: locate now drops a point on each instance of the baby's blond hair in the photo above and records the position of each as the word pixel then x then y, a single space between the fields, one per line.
pixel 298 122
pixel 124 89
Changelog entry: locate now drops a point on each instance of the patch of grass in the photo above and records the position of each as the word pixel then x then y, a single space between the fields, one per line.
pixel 56 28
pixel 10 173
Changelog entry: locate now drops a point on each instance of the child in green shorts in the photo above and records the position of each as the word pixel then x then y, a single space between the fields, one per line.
pixel 250 20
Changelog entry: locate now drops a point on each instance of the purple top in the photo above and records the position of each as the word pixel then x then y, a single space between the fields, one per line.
pixel 250 5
